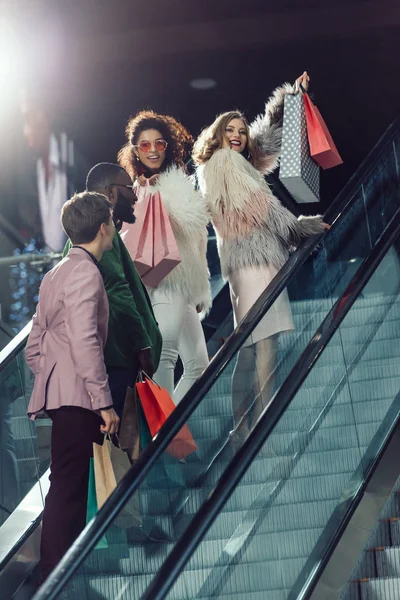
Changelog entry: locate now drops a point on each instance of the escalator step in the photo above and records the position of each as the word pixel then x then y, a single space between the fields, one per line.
pixel 380 589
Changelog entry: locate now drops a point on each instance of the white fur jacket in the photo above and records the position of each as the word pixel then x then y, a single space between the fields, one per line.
pixel 253 228
pixel 189 217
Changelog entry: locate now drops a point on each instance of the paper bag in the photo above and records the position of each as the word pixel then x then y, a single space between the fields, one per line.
pixel 110 466
pixel 129 431
pixel 298 172
pixel 322 146
pixel 138 237
pixel 157 406
pixel 165 250
pixel 91 507
pixel 166 470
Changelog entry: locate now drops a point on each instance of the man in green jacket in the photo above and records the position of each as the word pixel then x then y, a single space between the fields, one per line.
pixel 134 339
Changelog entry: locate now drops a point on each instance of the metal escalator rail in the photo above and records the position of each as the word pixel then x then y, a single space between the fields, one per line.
pixel 136 475
pixel 306 584
pixel 19 340
pixel 208 512
pixel 366 167
pixel 34 260
pixel 14 347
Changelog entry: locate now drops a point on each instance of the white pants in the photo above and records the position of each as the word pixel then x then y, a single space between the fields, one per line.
pixel 183 336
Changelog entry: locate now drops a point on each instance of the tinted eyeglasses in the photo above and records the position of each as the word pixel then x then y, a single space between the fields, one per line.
pixel 145 146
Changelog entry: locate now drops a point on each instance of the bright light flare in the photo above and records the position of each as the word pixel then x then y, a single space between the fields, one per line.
pixel 11 59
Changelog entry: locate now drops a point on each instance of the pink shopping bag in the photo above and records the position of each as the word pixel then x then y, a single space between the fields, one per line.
pixel 165 249
pixel 138 237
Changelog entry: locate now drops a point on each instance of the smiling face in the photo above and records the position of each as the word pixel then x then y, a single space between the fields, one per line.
pixel 235 135
pixel 150 148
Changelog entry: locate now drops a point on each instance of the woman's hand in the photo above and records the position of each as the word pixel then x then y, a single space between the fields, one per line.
pixel 151 181
pixel 303 81
pixel 326 226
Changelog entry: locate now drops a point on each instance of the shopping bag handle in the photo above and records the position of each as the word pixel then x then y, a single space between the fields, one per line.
pixel 302 88
pixel 109 437
pixel 140 378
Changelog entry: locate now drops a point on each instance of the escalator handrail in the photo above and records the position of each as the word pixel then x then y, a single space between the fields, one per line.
pixel 367 165
pixel 209 510
pixel 138 472
pixel 14 347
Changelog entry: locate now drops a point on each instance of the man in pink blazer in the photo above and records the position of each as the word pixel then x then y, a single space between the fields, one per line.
pixel 65 353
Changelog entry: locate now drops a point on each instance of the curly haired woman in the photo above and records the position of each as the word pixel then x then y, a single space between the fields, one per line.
pixel 255 233
pixel 155 152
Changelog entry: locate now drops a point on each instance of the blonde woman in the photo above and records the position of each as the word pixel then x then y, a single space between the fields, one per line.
pixel 255 234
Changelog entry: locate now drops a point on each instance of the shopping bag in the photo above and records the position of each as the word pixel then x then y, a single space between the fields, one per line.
pixel 166 470
pixel 157 406
pixel 139 236
pixel 322 146
pixel 110 466
pixel 298 172
pixel 91 507
pixel 165 250
pixel 129 431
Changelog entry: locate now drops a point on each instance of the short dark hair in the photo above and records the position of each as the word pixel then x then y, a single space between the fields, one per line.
pixel 83 214
pixel 102 175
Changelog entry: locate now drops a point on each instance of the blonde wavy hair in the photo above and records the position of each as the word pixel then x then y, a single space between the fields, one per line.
pixel 212 138
pixel 178 138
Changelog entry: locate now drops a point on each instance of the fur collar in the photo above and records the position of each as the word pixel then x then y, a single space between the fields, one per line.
pixel 184 204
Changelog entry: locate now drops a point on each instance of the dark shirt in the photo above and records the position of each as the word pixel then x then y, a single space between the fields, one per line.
pixel 92 256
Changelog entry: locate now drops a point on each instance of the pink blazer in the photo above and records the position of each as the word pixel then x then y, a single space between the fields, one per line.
pixel 69 330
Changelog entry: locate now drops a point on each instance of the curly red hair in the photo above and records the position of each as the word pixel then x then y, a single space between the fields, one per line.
pixel 179 140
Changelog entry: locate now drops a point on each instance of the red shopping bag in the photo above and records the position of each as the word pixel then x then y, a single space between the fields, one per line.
pixel 157 406
pixel 322 146
pixel 139 236
pixel 165 250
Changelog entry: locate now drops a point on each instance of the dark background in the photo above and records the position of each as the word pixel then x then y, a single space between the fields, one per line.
pixel 98 61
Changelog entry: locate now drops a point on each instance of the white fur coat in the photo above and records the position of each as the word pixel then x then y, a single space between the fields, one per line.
pixel 188 214
pixel 252 226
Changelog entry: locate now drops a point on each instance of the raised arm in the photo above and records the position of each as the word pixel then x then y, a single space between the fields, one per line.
pixel 266 129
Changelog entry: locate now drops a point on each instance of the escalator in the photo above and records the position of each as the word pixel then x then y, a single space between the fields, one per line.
pixel 238 521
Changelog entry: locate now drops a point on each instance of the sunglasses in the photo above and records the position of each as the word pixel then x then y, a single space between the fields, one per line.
pixel 130 187
pixel 159 145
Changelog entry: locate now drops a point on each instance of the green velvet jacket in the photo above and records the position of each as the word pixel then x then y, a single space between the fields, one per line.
pixel 132 325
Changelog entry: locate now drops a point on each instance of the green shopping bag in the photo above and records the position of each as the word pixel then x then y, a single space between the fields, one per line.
pixel 91 509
